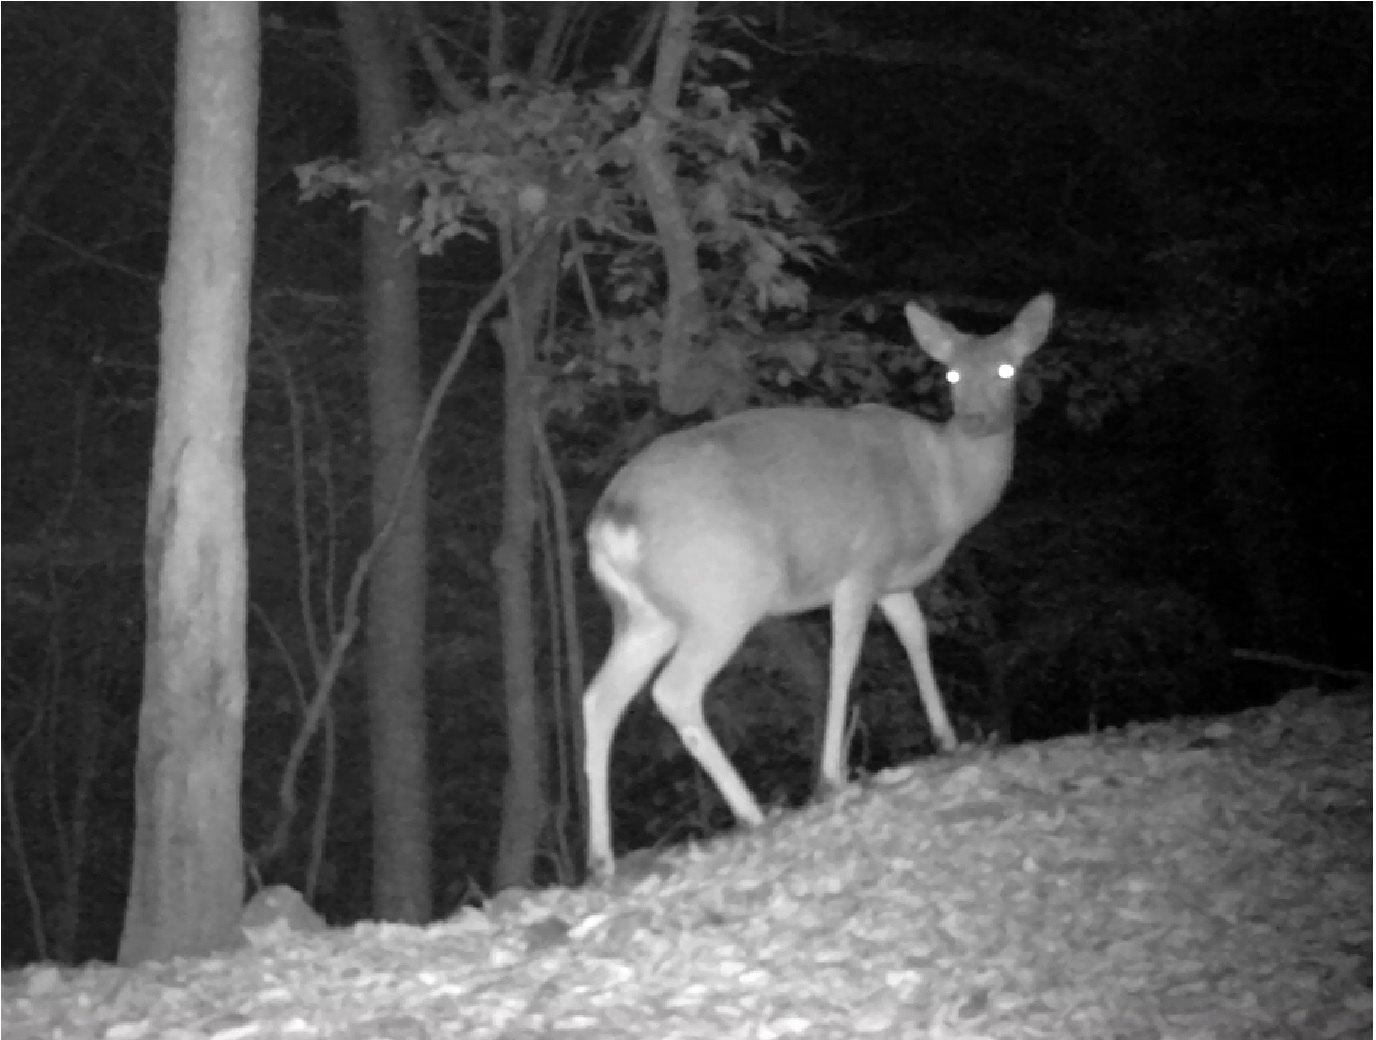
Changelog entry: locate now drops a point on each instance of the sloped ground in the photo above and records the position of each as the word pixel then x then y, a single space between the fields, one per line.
pixel 1197 879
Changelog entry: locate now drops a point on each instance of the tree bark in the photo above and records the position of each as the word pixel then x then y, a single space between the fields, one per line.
pixel 686 383
pixel 524 807
pixel 187 884
pixel 89 750
pixel 397 591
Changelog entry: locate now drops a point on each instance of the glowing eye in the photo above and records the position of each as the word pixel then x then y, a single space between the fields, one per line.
pixel 1006 371
pixel 953 377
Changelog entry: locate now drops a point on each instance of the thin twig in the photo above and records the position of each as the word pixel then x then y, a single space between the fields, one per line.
pixel 351 618
pixel 1286 661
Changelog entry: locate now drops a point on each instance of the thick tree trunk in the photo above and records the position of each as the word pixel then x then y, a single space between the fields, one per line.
pixel 187 885
pixel 397 591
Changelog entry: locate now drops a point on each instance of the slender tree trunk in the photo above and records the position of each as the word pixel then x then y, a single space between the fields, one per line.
pixel 686 382
pixel 89 749
pixel 187 885
pixel 524 807
pixel 523 803
pixel 397 592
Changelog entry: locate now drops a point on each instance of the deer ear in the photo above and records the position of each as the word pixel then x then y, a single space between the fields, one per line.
pixel 932 334
pixel 1033 323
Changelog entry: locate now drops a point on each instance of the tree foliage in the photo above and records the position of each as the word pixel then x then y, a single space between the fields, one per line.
pixel 560 158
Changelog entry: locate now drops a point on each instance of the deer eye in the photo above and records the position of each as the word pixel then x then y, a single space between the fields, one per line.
pixel 1006 371
pixel 952 377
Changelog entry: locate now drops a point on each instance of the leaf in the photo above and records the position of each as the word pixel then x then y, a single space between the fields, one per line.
pixel 712 205
pixel 801 356
pixel 786 201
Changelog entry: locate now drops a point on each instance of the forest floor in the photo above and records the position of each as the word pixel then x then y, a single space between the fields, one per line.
pixel 1202 878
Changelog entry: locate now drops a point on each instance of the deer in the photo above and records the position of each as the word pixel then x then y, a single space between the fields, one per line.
pixel 776 511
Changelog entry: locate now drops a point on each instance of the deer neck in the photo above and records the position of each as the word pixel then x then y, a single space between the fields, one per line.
pixel 978 459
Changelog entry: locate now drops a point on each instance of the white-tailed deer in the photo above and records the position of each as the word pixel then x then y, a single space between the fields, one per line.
pixel 777 511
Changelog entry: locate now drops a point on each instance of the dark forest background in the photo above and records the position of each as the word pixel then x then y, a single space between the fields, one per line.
pixel 1213 500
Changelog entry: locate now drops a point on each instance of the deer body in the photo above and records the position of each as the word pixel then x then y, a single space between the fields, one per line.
pixel 779 511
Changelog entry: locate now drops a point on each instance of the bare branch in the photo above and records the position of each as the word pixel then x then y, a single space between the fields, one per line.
pixel 84 253
pixel 455 92
pixel 496 40
pixel 39 151
pixel 542 64
pixel 649 32
pixel 674 44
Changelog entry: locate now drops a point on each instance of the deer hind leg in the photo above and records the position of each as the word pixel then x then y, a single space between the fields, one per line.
pixel 702 652
pixel 644 636
pixel 906 618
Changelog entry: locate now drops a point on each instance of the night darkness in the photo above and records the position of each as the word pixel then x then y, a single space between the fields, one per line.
pixel 958 148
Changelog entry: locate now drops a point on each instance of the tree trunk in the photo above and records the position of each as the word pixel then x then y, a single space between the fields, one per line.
pixel 524 809
pixel 187 885
pixel 523 790
pixel 397 591
pixel 88 750
pixel 523 806
pixel 686 379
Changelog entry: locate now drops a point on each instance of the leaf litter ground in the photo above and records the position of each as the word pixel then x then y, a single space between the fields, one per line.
pixel 1178 881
